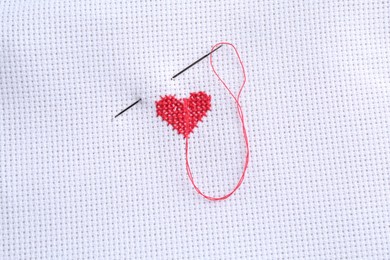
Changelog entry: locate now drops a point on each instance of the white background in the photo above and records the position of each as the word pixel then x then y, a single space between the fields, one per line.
pixel 77 184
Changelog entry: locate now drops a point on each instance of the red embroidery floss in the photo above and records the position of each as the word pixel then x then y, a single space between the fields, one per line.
pixel 187 107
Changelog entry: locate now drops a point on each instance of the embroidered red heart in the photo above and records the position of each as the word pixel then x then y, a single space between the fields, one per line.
pixel 186 111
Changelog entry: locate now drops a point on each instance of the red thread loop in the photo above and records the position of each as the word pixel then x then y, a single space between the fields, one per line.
pixel 240 115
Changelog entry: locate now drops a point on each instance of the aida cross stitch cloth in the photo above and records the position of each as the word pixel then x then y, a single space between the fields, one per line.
pixel 75 183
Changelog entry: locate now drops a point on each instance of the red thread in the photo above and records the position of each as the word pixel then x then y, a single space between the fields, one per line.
pixel 187 106
pixel 184 114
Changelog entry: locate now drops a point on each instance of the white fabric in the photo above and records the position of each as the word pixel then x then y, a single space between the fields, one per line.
pixel 77 184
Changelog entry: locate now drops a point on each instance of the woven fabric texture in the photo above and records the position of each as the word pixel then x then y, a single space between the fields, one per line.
pixel 75 183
